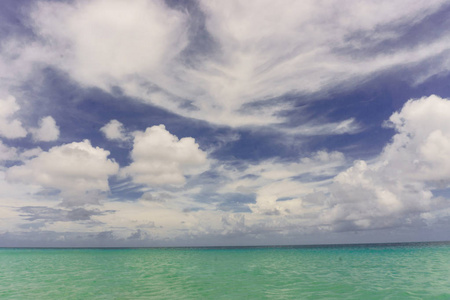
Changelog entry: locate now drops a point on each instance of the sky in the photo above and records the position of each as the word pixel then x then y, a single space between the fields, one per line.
pixel 223 123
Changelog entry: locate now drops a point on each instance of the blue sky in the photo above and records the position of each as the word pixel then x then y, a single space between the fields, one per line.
pixel 162 123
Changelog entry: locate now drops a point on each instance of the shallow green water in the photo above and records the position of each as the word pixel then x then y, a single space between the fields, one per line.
pixel 419 271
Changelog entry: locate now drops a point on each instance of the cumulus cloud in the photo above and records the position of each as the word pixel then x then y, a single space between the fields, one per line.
pixel 258 50
pixel 161 158
pixel 76 169
pixel 398 185
pixel 399 188
pixel 7 153
pixel 114 130
pixel 421 147
pixel 12 128
pixel 316 193
pixel 9 127
pixel 47 131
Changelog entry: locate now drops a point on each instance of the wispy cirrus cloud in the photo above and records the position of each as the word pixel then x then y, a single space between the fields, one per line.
pixel 258 50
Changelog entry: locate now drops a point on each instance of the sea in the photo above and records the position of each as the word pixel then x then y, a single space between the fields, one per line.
pixel 369 271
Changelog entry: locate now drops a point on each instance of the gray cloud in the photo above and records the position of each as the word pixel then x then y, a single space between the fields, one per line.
pixel 48 214
pixel 105 235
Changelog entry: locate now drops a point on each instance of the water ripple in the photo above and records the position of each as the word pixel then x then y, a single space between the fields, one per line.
pixel 248 273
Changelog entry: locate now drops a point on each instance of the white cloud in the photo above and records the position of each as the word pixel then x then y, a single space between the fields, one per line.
pixel 12 128
pixel 262 50
pixel 9 127
pixel 7 153
pixel 161 158
pixel 47 131
pixel 398 185
pixel 270 49
pixel 27 154
pixel 281 187
pixel 394 189
pixel 105 42
pixel 13 196
pixel 421 147
pixel 114 130
pixel 348 126
pixel 77 169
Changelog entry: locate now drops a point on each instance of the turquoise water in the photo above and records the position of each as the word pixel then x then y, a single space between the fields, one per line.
pixel 413 271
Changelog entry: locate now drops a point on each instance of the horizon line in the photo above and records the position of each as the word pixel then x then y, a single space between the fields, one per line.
pixel 343 245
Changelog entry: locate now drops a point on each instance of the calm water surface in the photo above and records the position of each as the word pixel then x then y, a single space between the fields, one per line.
pixel 411 271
